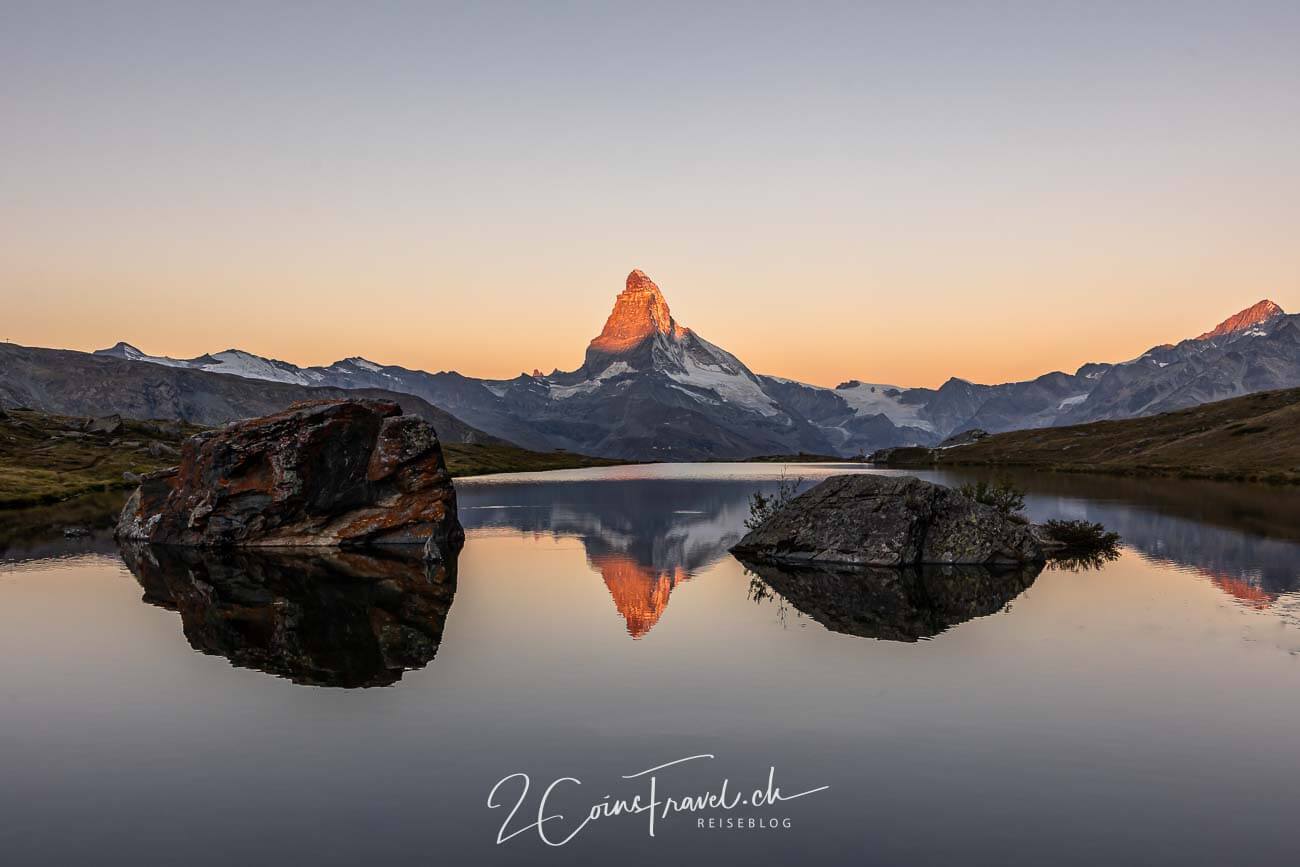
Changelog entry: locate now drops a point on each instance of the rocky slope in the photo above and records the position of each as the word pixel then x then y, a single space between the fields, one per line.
pixel 648 389
pixel 84 384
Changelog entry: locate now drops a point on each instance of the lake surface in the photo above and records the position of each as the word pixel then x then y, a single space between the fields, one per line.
pixel 180 708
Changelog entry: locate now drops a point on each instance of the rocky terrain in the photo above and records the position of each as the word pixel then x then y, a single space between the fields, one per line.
pixel 48 458
pixel 650 388
pixel 85 384
pixel 321 473
pixel 875 520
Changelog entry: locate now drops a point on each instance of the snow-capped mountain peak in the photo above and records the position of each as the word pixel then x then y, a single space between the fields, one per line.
pixel 1256 314
pixel 651 388
pixel 235 362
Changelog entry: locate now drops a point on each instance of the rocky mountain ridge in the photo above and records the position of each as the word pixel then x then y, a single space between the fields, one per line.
pixel 652 389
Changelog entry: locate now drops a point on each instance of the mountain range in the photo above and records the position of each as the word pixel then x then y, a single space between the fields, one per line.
pixel 652 389
pixel 86 384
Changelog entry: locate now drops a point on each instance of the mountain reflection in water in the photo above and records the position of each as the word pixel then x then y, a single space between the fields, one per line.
pixel 644 538
pixel 1245 539
pixel 645 535
pixel 324 618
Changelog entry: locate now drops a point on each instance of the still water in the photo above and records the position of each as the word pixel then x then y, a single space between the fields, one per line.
pixel 175 708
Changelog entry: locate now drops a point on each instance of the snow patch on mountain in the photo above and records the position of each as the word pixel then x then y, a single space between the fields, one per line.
pixel 564 392
pixel 876 399
pixel 131 353
pixel 239 363
pixel 726 377
pixel 1073 400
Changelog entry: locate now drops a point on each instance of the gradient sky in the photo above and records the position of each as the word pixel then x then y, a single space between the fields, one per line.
pixel 895 192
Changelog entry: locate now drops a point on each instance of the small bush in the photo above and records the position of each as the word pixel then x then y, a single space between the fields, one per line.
pixel 1088 545
pixel 1081 535
pixel 763 506
pixel 1001 495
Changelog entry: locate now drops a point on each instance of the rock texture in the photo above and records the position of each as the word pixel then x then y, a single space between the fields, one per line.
pixel 640 312
pixel 871 520
pixel 1256 314
pixel 326 618
pixel 321 473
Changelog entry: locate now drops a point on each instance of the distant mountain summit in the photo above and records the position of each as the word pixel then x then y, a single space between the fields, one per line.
pixel 1256 314
pixel 650 388
pixel 641 335
pixel 640 313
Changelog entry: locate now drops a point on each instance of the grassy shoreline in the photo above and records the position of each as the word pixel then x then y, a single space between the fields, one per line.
pixel 1255 439
pixel 46 459
pixel 471 459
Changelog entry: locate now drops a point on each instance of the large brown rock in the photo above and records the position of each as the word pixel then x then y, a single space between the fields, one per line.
pixel 874 520
pixel 320 473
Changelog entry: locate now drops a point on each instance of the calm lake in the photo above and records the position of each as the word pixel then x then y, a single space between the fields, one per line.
pixel 165 708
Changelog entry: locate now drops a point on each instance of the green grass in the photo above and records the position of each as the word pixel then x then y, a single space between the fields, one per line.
pixel 54 475
pixel 481 460
pixel 49 458
pixel 801 458
pixel 1252 438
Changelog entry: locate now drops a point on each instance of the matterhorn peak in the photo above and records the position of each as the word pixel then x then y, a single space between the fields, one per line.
pixel 1251 316
pixel 640 312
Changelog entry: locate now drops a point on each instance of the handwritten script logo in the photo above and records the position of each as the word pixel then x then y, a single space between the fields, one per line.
pixel 554 830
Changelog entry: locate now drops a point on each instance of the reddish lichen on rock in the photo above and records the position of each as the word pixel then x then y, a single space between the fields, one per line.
pixel 320 473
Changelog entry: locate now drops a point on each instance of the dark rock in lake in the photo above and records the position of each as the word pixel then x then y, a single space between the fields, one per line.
pixel 872 520
pixel 321 473
pixel 325 618
pixel 905 604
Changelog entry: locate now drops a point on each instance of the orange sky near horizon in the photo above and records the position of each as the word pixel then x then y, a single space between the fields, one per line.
pixel 499 332
pixel 877 192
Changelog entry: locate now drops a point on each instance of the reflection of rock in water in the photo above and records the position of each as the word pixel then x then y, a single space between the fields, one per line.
pixel 328 618
pixel 1243 538
pixel 896 604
